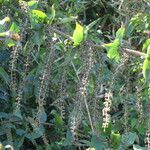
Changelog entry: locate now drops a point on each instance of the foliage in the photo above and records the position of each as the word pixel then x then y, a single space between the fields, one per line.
pixel 146 65
pixel 71 76
pixel 78 34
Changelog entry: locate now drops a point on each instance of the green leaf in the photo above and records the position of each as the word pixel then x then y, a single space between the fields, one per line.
pixel 37 132
pixel 91 86
pixel 38 16
pixel 9 42
pixel 69 138
pixel 14 28
pixel 134 122
pixel 107 131
pixel 4 75
pixel 146 66
pixel 137 147
pixel 129 30
pixel 33 4
pixel 128 138
pixel 120 34
pixel 146 69
pixel 37 19
pixel 20 132
pixel 58 118
pixel 40 130
pixel 17 112
pixel 96 143
pixel 3 115
pixel 134 22
pixel 145 45
pixel 42 115
pixel 148 52
pixel 4 34
pixel 37 38
pixel 116 139
pixel 112 49
pixel 33 135
pixel 67 19
pixel 52 17
pixel 88 27
pixel 78 34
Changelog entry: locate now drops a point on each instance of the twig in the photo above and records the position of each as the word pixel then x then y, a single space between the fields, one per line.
pixel 133 52
pixel 75 70
pixel 88 111
pixel 97 46
pixel 126 50
pixel 61 33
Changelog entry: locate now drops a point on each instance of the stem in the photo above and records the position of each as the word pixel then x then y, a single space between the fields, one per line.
pixel 4 34
pixel 133 52
pixel 126 50
pixel 87 108
pixel 61 33
pixel 75 70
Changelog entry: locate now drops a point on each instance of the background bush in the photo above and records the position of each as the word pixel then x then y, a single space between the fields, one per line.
pixel 74 74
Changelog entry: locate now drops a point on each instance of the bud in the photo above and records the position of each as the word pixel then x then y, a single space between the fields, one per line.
pixel 15 37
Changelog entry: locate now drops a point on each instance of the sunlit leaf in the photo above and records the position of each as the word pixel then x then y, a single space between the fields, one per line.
pixel 4 34
pixel 33 4
pixel 112 49
pixel 38 15
pixel 145 45
pixel 120 34
pixel 37 18
pixel 148 52
pixel 146 66
pixel 78 34
pixel 14 28
pixel 146 69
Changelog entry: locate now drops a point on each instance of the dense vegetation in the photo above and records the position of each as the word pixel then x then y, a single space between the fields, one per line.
pixel 75 74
